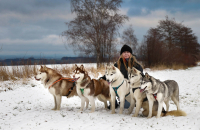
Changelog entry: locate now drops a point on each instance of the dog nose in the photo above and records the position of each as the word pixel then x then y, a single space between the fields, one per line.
pixel 73 76
pixel 129 82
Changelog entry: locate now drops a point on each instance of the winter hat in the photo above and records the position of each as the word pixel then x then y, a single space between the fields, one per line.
pixel 126 48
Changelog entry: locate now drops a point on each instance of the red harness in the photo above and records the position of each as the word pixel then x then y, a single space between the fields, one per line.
pixel 69 79
pixel 155 95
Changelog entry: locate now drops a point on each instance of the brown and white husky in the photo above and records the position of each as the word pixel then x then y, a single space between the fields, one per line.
pixel 57 85
pixel 88 88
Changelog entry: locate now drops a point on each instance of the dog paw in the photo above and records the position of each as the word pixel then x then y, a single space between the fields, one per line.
pixel 148 117
pixel 53 109
pixel 120 112
pixel 134 115
pixel 157 116
pixel 112 112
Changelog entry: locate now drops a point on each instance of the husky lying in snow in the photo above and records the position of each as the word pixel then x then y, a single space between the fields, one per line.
pixel 88 88
pixel 164 90
pixel 118 86
pixel 57 85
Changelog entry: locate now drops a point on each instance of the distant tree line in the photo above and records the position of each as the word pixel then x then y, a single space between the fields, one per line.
pixel 43 61
pixel 169 43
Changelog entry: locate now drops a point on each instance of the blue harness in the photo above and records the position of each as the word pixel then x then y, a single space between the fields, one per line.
pixel 115 89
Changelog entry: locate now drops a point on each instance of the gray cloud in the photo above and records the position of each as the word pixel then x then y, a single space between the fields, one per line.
pixel 33 27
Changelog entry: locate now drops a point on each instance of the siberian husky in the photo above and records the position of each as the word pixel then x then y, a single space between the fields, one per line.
pixel 88 88
pixel 134 77
pixel 57 85
pixel 164 91
pixel 118 87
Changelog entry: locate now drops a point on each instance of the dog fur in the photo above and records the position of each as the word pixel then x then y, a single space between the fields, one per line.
pixel 115 78
pixel 48 76
pixel 92 88
pixel 134 77
pixel 164 90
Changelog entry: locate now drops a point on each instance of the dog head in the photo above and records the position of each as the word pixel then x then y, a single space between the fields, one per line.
pixel 42 73
pixel 134 75
pixel 110 73
pixel 79 73
pixel 146 83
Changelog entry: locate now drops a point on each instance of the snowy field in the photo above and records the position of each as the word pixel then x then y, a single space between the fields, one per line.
pixel 28 106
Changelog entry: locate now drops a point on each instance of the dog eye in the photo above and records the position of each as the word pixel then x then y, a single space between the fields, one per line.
pixel 111 74
pixel 132 76
pixel 40 73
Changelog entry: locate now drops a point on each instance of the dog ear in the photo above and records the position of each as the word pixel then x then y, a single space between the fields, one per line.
pixel 76 66
pixel 82 67
pixel 134 70
pixel 147 75
pixel 129 69
pixel 113 67
pixel 45 68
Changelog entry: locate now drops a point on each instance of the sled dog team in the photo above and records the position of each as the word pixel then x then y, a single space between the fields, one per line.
pixel 142 91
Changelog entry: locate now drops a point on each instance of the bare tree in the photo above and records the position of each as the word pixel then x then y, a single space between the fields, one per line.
pixel 95 27
pixel 129 38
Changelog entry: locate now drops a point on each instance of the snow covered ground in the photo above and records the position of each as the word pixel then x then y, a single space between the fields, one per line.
pixel 27 105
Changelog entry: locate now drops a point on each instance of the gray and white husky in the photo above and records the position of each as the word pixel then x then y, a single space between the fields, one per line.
pixel 119 86
pixel 164 90
pixel 137 97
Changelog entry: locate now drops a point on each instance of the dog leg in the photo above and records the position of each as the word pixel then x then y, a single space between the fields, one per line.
pixel 132 105
pixel 55 107
pixel 160 104
pixel 167 104
pixel 91 99
pixel 87 102
pixel 122 101
pixel 102 99
pixel 149 97
pixel 176 102
pixel 58 101
pixel 138 106
pixel 113 104
pixel 83 100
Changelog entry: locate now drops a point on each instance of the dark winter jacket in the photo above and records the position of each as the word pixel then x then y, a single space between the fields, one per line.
pixel 123 68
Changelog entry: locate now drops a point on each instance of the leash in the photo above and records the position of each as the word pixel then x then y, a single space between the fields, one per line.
pixel 69 79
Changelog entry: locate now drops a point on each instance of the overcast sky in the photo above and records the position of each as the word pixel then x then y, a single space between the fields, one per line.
pixel 33 27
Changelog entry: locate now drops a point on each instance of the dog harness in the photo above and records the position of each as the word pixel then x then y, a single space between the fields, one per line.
pixel 155 95
pixel 82 90
pixel 133 89
pixel 115 89
pixel 69 79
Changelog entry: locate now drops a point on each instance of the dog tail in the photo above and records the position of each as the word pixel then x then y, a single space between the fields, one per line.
pixel 175 113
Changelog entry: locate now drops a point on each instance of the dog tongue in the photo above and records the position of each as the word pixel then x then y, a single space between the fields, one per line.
pixel 141 90
pixel 109 83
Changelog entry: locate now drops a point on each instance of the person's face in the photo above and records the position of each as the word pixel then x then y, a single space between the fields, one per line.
pixel 126 54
